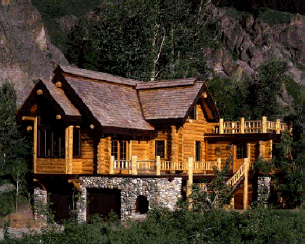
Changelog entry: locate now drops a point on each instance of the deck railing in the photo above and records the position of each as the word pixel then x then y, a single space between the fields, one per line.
pixel 252 126
pixel 135 166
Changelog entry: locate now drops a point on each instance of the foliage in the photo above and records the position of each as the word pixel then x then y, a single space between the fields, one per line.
pixel 14 150
pixel 144 40
pixel 181 226
pixel 251 98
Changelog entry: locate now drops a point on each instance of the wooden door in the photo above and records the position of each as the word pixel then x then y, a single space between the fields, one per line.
pixel 61 206
pixel 103 201
pixel 240 152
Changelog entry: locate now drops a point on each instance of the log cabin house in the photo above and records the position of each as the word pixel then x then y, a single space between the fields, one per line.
pixel 122 144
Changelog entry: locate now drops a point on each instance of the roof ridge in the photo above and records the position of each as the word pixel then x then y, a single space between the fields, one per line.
pixel 97 75
pixel 167 83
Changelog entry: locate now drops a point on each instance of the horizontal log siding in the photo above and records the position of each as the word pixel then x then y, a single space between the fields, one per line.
pixel 50 166
pixel 141 149
pixel 104 155
pixel 84 164
pixel 191 132
pixel 226 151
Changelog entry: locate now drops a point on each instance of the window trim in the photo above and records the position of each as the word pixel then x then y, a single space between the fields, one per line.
pixel 197 151
pixel 156 142
pixel 79 140
pixel 61 148
pixel 241 154
pixel 119 143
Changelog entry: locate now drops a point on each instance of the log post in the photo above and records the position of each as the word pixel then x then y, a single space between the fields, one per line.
pixel 264 124
pixel 158 165
pixel 219 163
pixel 248 150
pixel 220 126
pixel 246 184
pixel 69 149
pixel 233 128
pixel 278 126
pixel 134 168
pixel 111 171
pixel 35 146
pixel 242 125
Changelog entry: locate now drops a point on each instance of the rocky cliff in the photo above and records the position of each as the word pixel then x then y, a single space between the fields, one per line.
pixel 26 52
pixel 248 43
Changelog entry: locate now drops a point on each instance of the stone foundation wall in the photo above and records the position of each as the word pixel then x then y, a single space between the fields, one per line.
pixel 40 205
pixel 263 189
pixel 158 191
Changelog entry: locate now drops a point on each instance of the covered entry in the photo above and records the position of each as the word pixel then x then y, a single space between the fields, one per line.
pixel 102 201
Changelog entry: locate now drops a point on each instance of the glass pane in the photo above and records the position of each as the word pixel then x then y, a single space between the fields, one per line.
pixel 160 149
pixel 123 150
pixel 76 142
pixel 114 149
pixel 197 150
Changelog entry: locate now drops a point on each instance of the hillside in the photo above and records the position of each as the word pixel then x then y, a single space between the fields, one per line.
pixel 27 52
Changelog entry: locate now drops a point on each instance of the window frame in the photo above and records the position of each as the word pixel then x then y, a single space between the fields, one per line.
pixel 241 151
pixel 157 149
pixel 46 149
pixel 197 151
pixel 77 144
pixel 120 145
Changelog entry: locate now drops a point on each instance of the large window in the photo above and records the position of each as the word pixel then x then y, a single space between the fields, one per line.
pixel 119 150
pixel 51 143
pixel 160 149
pixel 241 151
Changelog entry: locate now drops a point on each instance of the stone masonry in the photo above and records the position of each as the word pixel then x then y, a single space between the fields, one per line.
pixel 163 192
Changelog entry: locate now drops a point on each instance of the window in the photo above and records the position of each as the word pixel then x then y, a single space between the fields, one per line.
pixel 76 143
pixel 193 113
pixel 119 150
pixel 51 143
pixel 241 151
pixel 198 147
pixel 160 149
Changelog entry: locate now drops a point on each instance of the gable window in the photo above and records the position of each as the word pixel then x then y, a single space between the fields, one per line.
pixel 119 150
pixel 160 149
pixel 76 143
pixel 51 144
pixel 193 113
pixel 198 147
pixel 241 151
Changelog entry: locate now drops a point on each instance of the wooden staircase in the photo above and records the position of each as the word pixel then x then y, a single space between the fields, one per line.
pixel 236 180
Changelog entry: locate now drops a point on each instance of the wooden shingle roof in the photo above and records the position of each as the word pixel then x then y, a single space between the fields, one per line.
pixel 60 97
pixel 96 75
pixel 169 102
pixel 111 104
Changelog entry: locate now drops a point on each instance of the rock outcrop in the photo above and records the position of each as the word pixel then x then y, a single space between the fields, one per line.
pixel 254 42
pixel 26 52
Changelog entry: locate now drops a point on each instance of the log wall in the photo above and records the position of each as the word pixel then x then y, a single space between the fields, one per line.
pixel 192 131
pixel 84 164
pixel 103 155
pixel 50 166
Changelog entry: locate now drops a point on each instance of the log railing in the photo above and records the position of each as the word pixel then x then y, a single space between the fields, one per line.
pixel 252 126
pixel 135 166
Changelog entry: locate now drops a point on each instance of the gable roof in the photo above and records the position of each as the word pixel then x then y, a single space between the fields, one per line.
pixel 57 96
pixel 112 105
pixel 164 101
pixel 95 75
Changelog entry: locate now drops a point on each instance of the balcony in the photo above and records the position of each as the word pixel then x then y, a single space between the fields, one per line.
pixel 160 167
pixel 253 126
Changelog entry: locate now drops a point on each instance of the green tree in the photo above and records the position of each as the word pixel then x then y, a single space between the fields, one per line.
pixel 146 40
pixel 14 151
